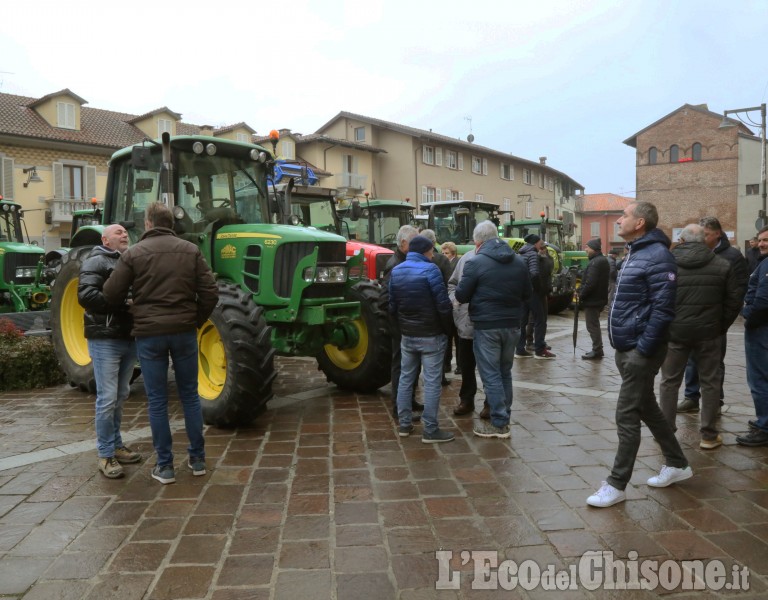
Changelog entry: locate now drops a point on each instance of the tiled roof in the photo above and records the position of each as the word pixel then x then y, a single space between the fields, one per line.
pixel 604 202
pixel 444 139
pixel 64 92
pixel 319 137
pixel 229 128
pixel 157 111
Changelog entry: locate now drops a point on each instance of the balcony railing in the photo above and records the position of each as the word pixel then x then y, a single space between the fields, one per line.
pixel 62 209
pixel 351 180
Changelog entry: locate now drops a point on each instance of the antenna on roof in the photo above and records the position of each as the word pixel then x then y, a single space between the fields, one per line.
pixel 470 137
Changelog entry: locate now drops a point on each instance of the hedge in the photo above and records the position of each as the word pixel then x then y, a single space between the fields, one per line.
pixel 26 362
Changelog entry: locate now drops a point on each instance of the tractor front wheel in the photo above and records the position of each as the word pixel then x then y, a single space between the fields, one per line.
pixel 368 365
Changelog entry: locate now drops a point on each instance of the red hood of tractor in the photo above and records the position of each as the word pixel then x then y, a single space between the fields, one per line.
pixel 375 257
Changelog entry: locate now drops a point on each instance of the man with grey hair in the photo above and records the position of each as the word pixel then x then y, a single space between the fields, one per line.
pixel 496 284
pixel 707 302
pixel 638 323
pixel 404 236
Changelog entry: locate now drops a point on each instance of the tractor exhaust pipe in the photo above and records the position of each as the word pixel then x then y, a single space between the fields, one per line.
pixel 166 173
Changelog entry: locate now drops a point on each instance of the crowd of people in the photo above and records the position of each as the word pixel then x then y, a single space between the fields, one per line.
pixel 669 310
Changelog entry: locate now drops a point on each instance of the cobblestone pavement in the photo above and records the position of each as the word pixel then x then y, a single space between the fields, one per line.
pixel 319 498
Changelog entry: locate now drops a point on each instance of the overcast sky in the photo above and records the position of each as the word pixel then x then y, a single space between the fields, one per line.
pixel 569 80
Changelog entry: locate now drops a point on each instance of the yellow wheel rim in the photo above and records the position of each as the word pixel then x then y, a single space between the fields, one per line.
pixel 212 362
pixel 72 323
pixel 349 359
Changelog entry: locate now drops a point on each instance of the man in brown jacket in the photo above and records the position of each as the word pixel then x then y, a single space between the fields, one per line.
pixel 174 293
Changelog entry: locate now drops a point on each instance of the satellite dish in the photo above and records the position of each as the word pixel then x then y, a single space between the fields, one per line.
pixel 470 138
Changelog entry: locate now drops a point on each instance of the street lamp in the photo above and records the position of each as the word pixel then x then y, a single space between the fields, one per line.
pixel 762 221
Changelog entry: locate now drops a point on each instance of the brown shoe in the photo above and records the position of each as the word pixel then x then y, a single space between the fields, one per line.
pixel 110 467
pixel 486 412
pixel 463 408
pixel 126 456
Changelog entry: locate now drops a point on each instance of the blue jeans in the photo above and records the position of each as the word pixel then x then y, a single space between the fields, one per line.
pixel 113 362
pixel 494 353
pixel 153 356
pixel 427 352
pixel 756 349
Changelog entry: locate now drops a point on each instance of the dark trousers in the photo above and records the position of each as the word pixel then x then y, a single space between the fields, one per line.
pixel 692 387
pixel 706 354
pixel 592 320
pixel 465 357
pixel 534 311
pixel 636 405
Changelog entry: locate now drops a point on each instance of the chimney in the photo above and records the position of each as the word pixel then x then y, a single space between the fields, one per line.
pixel 543 160
pixel 206 130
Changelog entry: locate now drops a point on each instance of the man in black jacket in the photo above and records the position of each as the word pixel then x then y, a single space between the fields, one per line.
pixel 706 303
pixel 717 241
pixel 593 295
pixel 112 350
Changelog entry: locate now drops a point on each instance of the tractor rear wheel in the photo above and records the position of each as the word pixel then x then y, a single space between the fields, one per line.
pixel 236 360
pixel 67 334
pixel 367 366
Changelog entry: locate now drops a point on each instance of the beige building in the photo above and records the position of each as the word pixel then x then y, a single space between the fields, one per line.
pixel 54 152
pixel 394 161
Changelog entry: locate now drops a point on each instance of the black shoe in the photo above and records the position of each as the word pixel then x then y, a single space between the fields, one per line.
pixel 593 355
pixel 457 371
pixel 464 408
pixel 415 418
pixel 752 423
pixel 755 437
pixel 416 406
pixel 445 381
pixel 486 412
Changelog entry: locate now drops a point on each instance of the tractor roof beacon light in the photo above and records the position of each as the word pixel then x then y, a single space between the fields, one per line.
pixel 274 136
pixel 32 177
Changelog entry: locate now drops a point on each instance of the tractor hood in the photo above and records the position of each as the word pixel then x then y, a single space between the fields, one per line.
pixel 19 248
pixel 288 233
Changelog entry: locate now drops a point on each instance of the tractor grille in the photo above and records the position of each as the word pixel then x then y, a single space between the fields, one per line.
pixel 252 268
pixel 16 259
pixel 288 256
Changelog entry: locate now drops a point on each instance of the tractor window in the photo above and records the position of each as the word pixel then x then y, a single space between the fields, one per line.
pixel 314 214
pixel 10 225
pixel 387 224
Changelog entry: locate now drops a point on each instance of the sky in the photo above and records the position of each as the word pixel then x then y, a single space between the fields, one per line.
pixel 565 79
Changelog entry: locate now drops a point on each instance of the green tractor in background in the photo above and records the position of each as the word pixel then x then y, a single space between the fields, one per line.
pixel 455 221
pixel 24 292
pixel 282 288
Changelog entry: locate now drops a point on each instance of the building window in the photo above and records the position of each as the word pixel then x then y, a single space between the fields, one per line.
pixel 528 207
pixel 527 176
pixel 551 184
pixel 65 115
pixel 594 229
pixel 243 137
pixel 163 125
pixel 359 134
pixel 428 155
pixel 674 153
pixel 427 194
pixel 453 195
pixel 541 180
pixel 479 197
pixel 696 151
pixel 506 204
pixel 753 189
pixel 73 182
pixel 287 149
pixel 477 165
pixel 451 159
pixel 507 172
pixel 653 155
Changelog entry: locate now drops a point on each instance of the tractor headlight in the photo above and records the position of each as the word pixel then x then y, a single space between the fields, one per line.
pixel 335 274
pixel 22 272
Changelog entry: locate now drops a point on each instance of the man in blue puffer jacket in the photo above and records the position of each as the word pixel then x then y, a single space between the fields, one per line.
pixel 418 298
pixel 642 310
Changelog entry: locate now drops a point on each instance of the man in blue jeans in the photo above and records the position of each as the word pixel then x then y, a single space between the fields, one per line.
pixel 110 345
pixel 496 284
pixel 418 298
pixel 756 346
pixel 174 293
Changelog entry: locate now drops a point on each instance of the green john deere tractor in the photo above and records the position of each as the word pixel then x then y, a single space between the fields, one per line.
pixel 282 288
pixel 22 275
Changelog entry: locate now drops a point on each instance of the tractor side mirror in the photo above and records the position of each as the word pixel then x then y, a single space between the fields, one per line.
pixel 140 156
pixel 355 211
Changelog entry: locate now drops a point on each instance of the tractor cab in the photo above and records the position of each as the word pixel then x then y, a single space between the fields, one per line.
pixel 455 220
pixel 376 221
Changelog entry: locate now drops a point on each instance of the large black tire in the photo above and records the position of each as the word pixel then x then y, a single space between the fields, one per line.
pixel 367 366
pixel 236 364
pixel 67 335
pixel 557 304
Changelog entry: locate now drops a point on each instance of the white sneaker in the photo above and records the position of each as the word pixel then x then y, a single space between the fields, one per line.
pixel 670 475
pixel 606 496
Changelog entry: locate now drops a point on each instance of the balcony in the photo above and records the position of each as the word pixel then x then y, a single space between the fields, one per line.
pixel 62 209
pixel 351 181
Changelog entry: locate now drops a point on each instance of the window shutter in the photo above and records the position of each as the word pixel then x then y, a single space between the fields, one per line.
pixel 461 195
pixel 438 196
pixel 424 155
pixel 90 183
pixel 485 166
pixel 58 181
pixel 501 170
pixel 461 161
pixel 6 179
pixel 423 193
pixel 439 157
